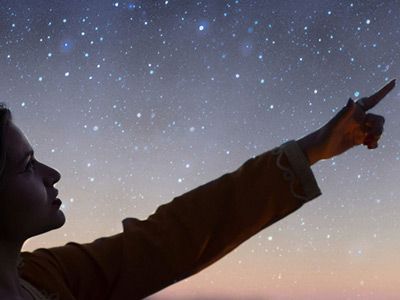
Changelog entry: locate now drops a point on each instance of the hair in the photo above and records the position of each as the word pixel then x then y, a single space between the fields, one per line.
pixel 5 118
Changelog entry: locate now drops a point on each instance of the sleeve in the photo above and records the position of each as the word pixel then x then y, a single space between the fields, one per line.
pixel 189 233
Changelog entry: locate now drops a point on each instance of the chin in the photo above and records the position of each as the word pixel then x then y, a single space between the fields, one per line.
pixel 60 220
pixel 56 223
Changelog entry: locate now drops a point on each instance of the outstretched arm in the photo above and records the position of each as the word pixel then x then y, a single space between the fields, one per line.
pixel 201 226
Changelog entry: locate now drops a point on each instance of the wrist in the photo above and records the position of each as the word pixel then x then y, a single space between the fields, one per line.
pixel 309 144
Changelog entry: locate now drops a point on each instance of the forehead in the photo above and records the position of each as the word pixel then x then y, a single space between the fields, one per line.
pixel 17 144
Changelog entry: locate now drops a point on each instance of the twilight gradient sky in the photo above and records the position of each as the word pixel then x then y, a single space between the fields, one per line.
pixel 136 102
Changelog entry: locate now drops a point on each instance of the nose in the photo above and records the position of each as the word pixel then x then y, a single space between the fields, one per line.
pixel 56 176
pixel 52 177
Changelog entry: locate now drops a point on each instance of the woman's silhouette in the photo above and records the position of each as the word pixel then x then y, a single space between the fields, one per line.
pixel 181 238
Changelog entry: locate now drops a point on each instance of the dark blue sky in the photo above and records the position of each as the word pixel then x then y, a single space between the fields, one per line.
pixel 136 102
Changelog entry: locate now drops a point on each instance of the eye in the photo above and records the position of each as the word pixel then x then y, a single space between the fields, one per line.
pixel 29 166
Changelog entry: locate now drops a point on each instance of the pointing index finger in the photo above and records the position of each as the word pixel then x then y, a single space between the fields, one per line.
pixel 371 101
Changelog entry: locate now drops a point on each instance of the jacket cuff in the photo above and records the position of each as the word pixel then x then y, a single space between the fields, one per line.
pixel 300 166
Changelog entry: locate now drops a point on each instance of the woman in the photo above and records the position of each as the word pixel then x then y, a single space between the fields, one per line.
pixel 181 238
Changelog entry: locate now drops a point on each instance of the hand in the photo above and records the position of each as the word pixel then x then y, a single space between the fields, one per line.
pixel 351 126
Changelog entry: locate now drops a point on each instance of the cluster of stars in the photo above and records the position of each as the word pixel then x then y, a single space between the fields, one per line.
pixel 174 92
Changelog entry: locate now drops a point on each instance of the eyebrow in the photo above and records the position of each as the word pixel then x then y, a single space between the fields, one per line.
pixel 26 155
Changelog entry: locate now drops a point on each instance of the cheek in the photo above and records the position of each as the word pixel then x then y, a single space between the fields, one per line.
pixel 28 191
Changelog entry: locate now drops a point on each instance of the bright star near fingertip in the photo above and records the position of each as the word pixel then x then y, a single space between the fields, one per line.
pixel 202 26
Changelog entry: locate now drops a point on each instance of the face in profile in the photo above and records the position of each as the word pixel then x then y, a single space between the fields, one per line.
pixel 26 201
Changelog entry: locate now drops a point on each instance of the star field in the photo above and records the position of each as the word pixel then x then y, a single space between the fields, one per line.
pixel 137 102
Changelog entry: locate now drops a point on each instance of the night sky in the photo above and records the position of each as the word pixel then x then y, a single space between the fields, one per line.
pixel 137 102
